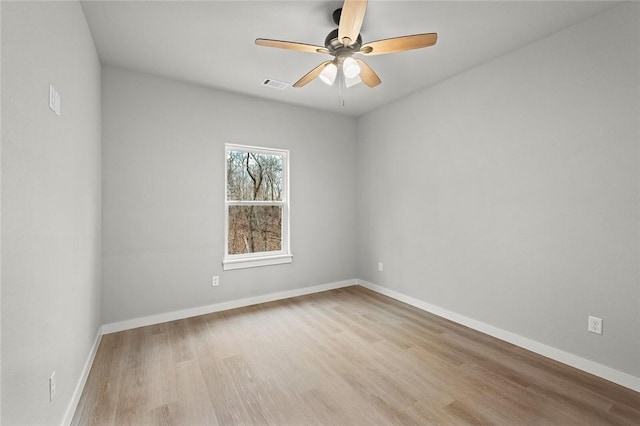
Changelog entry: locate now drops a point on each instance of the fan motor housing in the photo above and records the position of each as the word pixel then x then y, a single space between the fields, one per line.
pixel 337 48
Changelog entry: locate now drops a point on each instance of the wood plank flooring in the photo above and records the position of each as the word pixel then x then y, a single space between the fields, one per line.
pixel 342 357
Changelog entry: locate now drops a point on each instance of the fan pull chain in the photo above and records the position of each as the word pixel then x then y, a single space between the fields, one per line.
pixel 341 87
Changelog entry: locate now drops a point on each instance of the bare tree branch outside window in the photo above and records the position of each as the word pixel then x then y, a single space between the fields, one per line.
pixel 254 188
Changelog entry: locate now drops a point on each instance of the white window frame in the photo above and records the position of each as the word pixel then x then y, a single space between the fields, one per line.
pixel 251 260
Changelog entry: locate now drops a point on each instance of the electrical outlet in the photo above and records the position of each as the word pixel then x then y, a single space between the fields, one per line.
pixel 215 281
pixel 52 386
pixel 595 325
pixel 380 267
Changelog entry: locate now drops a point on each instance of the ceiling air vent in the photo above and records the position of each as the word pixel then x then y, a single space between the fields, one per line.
pixel 275 84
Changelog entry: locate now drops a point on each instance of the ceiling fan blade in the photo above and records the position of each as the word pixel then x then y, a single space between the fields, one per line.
pixel 399 44
pixel 351 19
pixel 308 77
pixel 291 45
pixel 367 75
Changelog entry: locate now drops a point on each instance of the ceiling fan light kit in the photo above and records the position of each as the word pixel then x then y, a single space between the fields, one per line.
pixel 329 73
pixel 350 68
pixel 345 42
pixel 348 82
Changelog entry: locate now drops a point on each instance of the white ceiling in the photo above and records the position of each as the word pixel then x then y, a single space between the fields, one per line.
pixel 211 43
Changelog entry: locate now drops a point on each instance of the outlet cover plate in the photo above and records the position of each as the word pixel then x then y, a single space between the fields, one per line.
pixel 595 325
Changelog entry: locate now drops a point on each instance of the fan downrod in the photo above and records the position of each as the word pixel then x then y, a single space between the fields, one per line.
pixel 336 16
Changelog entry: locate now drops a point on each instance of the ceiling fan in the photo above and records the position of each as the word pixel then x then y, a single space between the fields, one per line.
pixel 345 42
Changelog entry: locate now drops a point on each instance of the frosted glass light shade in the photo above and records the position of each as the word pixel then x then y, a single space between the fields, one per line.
pixel 348 82
pixel 350 68
pixel 328 74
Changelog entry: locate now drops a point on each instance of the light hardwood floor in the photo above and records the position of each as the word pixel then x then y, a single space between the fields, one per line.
pixel 342 357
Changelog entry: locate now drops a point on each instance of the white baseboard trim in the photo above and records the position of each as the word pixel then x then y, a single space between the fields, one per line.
pixel 224 306
pixel 185 313
pixel 567 358
pixel 77 392
pixel 572 360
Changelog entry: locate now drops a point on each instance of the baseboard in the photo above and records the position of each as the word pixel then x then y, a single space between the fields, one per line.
pixel 224 306
pixel 185 313
pixel 75 398
pixel 567 358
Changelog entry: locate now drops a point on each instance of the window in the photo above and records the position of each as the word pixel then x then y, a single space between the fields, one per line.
pixel 256 207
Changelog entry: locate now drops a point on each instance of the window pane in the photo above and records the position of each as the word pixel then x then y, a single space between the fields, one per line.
pixel 254 176
pixel 254 229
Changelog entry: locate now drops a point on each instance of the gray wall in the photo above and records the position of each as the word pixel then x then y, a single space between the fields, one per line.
pixel 509 194
pixel 163 172
pixel 0 218
pixel 51 197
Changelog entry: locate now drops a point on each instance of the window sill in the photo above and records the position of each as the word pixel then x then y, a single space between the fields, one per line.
pixel 254 262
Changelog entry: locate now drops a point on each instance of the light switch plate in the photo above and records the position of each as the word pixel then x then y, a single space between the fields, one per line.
pixel 54 100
